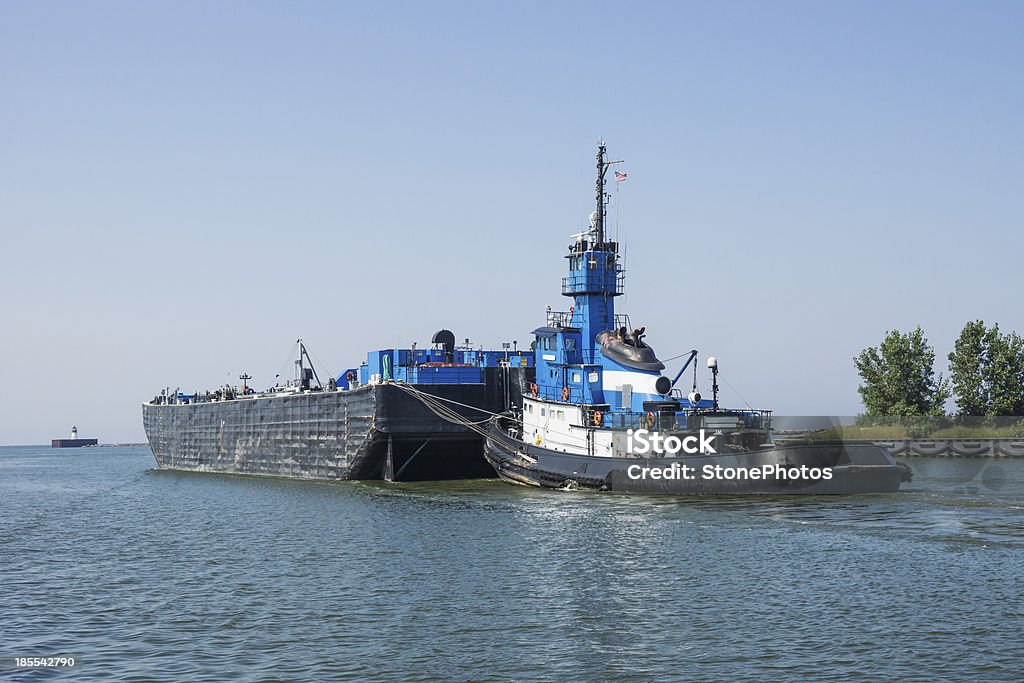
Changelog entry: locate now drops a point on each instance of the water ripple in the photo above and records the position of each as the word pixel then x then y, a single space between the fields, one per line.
pixel 145 575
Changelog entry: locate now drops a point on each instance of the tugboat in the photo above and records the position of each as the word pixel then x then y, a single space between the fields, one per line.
pixel 601 415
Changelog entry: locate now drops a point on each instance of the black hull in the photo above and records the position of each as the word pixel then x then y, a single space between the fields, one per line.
pixel 376 431
pixel 856 467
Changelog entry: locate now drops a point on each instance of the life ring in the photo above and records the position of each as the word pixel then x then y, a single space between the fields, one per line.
pixel 565 393
pixel 650 420
pixel 533 389
pixel 598 418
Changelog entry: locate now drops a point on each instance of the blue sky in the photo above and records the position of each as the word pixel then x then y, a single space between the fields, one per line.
pixel 186 188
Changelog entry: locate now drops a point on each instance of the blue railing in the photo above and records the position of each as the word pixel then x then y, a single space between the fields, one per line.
pixel 594 281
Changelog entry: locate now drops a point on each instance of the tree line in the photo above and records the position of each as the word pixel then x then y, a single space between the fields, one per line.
pixel 986 375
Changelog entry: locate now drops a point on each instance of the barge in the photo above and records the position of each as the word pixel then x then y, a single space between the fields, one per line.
pixel 390 418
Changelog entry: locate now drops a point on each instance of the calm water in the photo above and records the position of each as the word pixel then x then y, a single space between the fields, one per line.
pixel 145 575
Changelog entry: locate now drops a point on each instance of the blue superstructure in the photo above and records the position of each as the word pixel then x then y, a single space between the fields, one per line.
pixel 589 354
pixel 444 363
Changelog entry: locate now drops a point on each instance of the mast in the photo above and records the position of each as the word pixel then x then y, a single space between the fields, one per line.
pixel 595 274
pixel 602 168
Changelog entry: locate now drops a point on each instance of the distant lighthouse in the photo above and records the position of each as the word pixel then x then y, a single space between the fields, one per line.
pixel 74 441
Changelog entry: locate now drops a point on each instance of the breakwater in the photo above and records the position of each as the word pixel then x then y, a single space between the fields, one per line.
pixel 955 448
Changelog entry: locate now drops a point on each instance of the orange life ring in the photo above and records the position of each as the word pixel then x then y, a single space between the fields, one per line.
pixel 598 418
pixel 533 389
pixel 565 393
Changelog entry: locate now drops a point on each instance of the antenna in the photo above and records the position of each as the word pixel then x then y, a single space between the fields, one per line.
pixel 602 205
pixel 602 168
pixel 713 364
pixel 244 377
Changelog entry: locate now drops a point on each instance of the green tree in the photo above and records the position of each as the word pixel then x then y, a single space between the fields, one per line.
pixel 987 369
pixel 898 377
pixel 1007 375
pixel 966 369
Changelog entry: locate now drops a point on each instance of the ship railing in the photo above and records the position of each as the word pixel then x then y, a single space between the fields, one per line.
pixel 547 393
pixel 565 319
pixel 651 421
pixel 597 282
pixel 620 421
pixel 729 420
pixel 689 420
pixel 559 319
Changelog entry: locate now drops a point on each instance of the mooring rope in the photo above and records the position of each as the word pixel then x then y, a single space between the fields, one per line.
pixel 436 405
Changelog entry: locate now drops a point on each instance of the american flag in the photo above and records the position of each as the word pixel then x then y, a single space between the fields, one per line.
pixel 619 177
